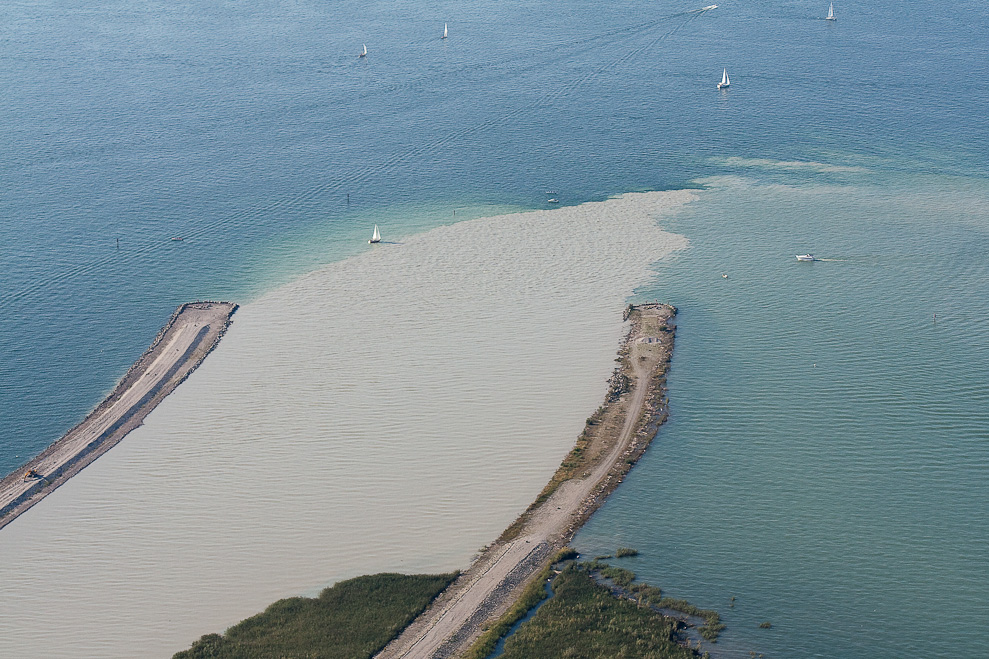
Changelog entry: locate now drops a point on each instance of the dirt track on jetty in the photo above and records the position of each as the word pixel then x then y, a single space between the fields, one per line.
pixel 614 438
pixel 190 334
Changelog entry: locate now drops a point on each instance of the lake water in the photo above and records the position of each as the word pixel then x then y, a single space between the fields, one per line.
pixel 827 453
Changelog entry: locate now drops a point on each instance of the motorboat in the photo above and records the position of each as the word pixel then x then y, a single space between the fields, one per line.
pixel 805 257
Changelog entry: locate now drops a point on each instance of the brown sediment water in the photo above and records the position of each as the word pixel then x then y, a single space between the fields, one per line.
pixel 614 438
pixel 391 412
pixel 181 346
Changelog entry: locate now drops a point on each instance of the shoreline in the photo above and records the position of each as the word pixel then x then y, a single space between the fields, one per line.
pixel 614 438
pixel 190 334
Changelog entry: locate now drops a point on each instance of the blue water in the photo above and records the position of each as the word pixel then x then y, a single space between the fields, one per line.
pixel 827 453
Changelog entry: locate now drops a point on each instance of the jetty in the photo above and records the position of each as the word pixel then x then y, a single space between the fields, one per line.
pixel 181 346
pixel 614 438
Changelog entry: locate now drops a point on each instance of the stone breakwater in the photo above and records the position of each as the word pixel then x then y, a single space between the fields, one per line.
pixel 180 346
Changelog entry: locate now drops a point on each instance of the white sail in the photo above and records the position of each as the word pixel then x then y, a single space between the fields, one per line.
pixel 830 12
pixel 376 236
pixel 364 51
pixel 724 79
pixel 444 30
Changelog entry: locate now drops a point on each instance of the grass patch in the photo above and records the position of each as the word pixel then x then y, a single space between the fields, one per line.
pixel 652 596
pixel 533 594
pixel 712 626
pixel 584 621
pixel 566 554
pixel 765 625
pixel 626 551
pixel 619 575
pixel 353 619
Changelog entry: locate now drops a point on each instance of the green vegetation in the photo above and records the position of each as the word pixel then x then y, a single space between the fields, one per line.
pixel 626 551
pixel 533 594
pixel 620 576
pixel 354 619
pixel 652 596
pixel 585 621
pixel 566 554
pixel 765 625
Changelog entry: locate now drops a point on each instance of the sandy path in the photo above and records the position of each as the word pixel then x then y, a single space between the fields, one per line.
pixel 180 347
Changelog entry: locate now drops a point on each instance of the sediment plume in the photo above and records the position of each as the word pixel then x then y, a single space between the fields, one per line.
pixel 392 412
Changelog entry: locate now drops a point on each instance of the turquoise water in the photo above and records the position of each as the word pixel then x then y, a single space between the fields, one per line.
pixel 826 458
pixel 826 453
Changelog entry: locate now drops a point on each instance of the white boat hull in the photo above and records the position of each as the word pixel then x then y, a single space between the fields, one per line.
pixel 806 257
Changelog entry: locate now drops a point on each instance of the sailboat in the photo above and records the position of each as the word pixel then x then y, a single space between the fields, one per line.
pixel 363 52
pixel 444 30
pixel 725 82
pixel 375 237
pixel 830 16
